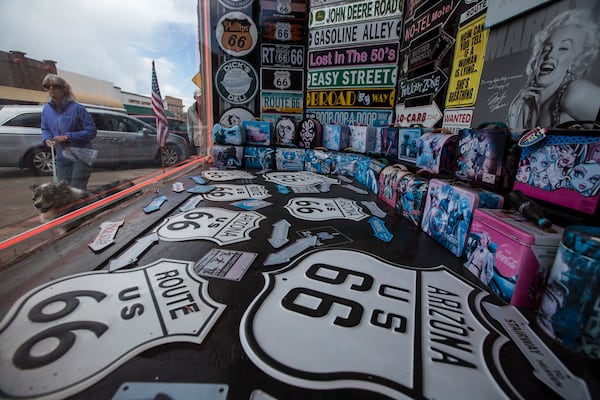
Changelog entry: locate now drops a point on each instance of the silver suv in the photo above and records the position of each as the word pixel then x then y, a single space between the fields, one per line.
pixel 121 140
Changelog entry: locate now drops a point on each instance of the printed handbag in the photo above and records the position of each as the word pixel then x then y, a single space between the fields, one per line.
pixel 288 159
pixel 258 133
pixel 259 157
pixel 286 134
pixel 223 135
pixel 228 156
pixel 561 166
pixel 336 137
pixel 362 139
pixel 310 133
pixel 483 155
pixel 389 178
pixel 388 137
pixel 436 152
pixel 412 192
pixel 407 142
pixel 343 163
pixel 317 160
pixel 368 176
pixel 448 213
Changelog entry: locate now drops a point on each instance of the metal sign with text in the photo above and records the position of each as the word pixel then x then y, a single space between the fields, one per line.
pixel 352 117
pixel 281 102
pixel 68 334
pixel 358 11
pixel 425 85
pixel 387 30
pixel 351 98
pixel 429 20
pixel 282 55
pixel 407 332
pixel 427 115
pixel 356 56
pixel 273 79
pixel 361 77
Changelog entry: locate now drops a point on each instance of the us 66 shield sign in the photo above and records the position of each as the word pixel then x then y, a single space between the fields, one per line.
pixel 282 55
pixel 282 79
pixel 66 335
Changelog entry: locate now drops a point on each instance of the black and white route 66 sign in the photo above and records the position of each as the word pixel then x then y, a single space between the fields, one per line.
pixel 346 319
pixel 227 175
pixel 227 192
pixel 220 225
pixel 297 178
pixel 322 209
pixel 66 335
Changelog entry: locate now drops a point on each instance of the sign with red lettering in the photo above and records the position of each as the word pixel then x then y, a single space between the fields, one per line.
pixel 427 116
pixel 384 53
pixel 456 119
pixel 108 317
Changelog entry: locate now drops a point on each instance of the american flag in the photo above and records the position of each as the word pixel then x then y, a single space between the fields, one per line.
pixel 158 108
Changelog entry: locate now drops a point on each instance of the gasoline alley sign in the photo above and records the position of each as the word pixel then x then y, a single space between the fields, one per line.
pixel 66 335
pixel 351 98
pixel 407 332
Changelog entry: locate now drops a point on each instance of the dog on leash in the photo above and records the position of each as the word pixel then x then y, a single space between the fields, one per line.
pixel 54 199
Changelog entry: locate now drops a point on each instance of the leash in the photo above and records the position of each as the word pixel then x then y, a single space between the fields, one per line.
pixel 53 162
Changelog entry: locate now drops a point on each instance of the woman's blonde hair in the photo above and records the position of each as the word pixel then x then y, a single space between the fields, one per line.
pixel 52 79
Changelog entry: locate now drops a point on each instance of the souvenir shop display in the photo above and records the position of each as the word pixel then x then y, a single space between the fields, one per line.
pixel 448 212
pixel 258 133
pixel 561 166
pixel 511 254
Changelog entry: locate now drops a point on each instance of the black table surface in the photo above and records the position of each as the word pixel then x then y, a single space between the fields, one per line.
pixel 220 358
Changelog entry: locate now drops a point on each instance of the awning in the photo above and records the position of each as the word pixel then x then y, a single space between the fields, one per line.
pixel 23 95
pixel 8 93
pixel 141 110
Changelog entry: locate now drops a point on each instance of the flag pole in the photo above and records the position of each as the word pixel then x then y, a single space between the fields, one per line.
pixel 158 109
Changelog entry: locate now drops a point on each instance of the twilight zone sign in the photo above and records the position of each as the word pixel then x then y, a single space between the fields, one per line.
pixel 66 335
pixel 345 319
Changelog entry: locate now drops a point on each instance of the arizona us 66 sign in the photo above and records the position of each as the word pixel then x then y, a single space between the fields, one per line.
pixel 347 319
pixel 68 334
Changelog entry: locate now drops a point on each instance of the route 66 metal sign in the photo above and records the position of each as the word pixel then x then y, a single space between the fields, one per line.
pixel 298 178
pixel 225 192
pixel 220 225
pixel 320 209
pixel 227 175
pixel 347 319
pixel 236 34
pixel 66 335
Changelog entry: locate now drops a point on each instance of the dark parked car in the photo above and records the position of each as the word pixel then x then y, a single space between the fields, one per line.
pixel 176 126
pixel 121 140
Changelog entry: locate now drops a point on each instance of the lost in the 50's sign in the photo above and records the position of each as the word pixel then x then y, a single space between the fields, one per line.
pixel 382 53
pixel 68 334
pixel 407 332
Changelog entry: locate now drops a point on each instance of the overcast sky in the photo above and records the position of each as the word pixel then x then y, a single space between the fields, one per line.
pixel 112 40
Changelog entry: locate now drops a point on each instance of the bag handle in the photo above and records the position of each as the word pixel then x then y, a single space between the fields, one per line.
pixel 578 124
pixel 492 125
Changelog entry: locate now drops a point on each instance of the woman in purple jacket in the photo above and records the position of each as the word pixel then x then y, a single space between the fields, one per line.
pixel 68 127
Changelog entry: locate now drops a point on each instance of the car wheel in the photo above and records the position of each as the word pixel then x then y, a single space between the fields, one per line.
pixel 170 155
pixel 40 161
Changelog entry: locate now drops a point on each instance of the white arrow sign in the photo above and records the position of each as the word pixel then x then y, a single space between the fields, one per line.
pixel 427 116
pixel 279 237
pixel 292 250
pixel 131 255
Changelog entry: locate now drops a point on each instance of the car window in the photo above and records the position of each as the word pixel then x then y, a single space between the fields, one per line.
pixel 28 120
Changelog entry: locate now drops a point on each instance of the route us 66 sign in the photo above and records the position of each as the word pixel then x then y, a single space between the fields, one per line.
pixel 68 334
pixel 220 225
pixel 227 175
pixel 346 319
pixel 226 192
pixel 321 209
pixel 297 178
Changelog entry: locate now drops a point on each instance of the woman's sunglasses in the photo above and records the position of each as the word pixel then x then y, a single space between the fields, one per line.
pixel 53 86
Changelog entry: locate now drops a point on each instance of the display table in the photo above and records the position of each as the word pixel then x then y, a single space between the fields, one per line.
pixel 308 296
